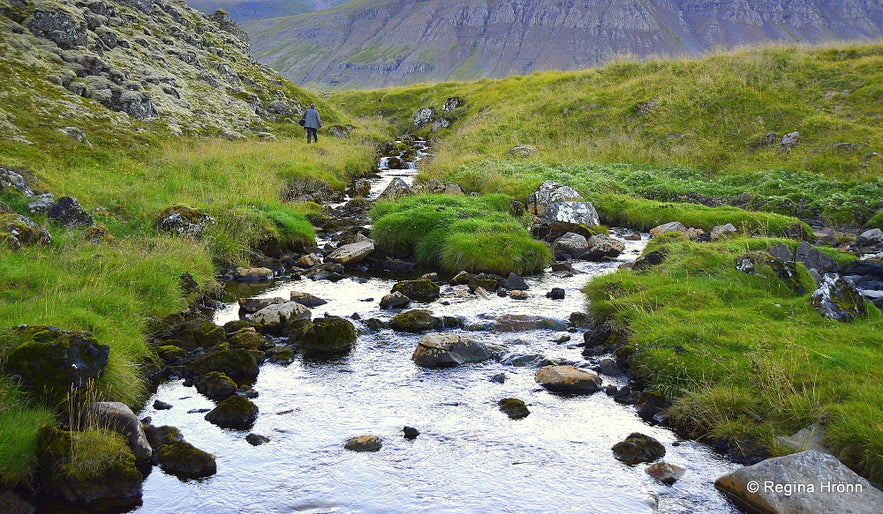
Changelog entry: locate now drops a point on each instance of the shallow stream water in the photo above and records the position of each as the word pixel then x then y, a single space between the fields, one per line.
pixel 469 456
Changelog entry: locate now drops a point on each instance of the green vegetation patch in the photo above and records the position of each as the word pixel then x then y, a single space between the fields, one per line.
pixel 742 356
pixel 459 233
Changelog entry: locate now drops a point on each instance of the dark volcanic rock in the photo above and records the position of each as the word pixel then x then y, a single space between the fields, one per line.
pixel 50 362
pixel 637 448
pixel 234 412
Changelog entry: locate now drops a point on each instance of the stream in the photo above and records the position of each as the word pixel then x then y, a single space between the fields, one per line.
pixel 469 457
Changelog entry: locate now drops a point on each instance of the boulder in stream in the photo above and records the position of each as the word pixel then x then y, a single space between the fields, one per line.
pixel 352 253
pixel 234 412
pixel 665 472
pixel 415 321
pixel 637 448
pixel 420 290
pixel 568 380
pixel 394 301
pixel 514 408
pixel 364 443
pixel 331 335
pixel 186 461
pixel 440 350
pixel 277 317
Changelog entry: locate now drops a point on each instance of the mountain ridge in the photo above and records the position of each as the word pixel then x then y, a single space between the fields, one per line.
pixel 384 43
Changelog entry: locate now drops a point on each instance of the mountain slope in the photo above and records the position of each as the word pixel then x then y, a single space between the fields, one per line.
pixel 111 64
pixel 394 42
pixel 245 10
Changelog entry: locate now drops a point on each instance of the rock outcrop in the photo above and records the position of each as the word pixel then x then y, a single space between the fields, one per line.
pixel 87 63
pixel 434 42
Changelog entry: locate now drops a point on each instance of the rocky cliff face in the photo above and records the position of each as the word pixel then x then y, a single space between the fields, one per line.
pixel 82 62
pixel 391 42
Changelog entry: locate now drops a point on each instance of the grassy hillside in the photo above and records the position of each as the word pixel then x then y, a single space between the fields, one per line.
pixel 706 118
pixel 743 358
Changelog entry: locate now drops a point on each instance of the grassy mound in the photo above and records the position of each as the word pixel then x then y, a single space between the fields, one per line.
pixel 459 233
pixel 742 356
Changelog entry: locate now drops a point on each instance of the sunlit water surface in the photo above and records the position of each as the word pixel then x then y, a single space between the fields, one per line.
pixel 469 456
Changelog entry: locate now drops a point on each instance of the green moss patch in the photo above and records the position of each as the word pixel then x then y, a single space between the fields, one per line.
pixel 459 233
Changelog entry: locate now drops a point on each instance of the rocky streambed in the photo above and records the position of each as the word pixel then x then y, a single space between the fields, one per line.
pixel 378 429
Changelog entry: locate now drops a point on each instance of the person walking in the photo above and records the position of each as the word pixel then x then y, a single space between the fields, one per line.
pixel 312 123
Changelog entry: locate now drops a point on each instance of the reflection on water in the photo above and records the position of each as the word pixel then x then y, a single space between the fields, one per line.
pixel 469 457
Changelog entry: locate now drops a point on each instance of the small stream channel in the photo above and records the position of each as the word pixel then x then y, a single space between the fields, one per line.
pixel 469 456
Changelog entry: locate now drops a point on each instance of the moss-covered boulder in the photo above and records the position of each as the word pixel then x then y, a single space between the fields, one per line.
pixel 17 231
pixel 183 221
pixel 238 364
pixel 192 333
pixel 50 362
pixel 234 412
pixel 248 338
pixel 331 335
pixel 415 321
pixel 486 281
pixel 216 386
pixel 514 408
pixel 95 467
pixel 637 448
pixel 170 353
pixel 184 460
pixel 420 290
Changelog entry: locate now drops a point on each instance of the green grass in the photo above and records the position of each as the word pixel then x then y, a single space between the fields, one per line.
pixel 457 233
pixel 702 131
pixel 742 356
pixel 113 290
pixel 18 438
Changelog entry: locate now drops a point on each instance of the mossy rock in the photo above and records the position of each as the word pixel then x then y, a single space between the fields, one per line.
pixel 248 338
pixel 183 220
pixel 162 436
pixel 17 231
pixel 420 290
pixel 92 467
pixel 415 321
pixel 486 281
pixel 216 386
pixel 198 333
pixel 330 335
pixel 234 412
pixel 170 353
pixel 637 448
pixel 238 364
pixel 98 234
pixel 50 362
pixel 185 461
pixel 514 408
